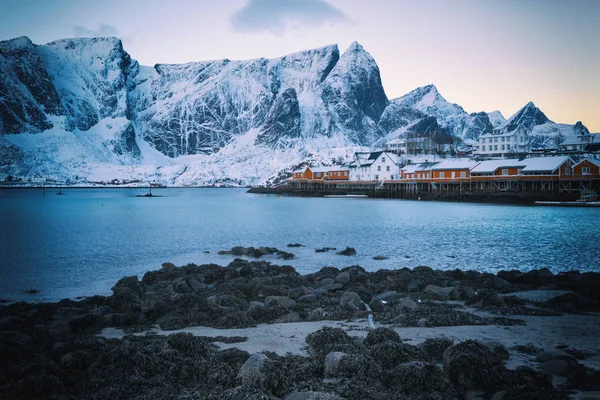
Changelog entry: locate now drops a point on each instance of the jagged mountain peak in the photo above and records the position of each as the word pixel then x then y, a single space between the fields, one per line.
pixel 528 116
pixel 424 98
pixel 81 41
pixel 496 118
pixel 16 43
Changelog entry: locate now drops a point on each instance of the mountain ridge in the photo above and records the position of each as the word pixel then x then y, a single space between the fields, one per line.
pixel 87 109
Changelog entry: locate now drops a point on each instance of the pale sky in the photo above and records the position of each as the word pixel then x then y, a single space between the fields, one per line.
pixel 482 54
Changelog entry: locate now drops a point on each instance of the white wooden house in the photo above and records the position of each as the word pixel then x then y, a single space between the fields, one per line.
pixel 374 166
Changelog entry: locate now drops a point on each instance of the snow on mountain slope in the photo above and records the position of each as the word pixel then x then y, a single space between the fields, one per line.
pixel 543 132
pixel 496 118
pixel 90 76
pixel 429 102
pixel 27 94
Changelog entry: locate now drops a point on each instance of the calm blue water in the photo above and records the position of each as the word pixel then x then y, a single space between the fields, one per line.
pixel 83 242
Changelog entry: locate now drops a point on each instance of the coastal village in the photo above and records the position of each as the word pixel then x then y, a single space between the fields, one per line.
pixel 501 161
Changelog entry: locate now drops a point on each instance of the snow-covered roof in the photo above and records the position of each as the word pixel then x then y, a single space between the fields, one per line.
pixel 590 160
pixel 471 142
pixel 459 163
pixel 396 141
pixel 329 169
pixel 544 164
pixel 491 166
pixel 426 166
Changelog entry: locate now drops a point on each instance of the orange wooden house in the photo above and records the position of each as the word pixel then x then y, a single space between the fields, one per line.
pixel 587 167
pixel 334 173
pixel 453 169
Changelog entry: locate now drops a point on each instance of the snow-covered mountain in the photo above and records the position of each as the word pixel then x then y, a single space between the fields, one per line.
pixel 84 109
pixel 496 118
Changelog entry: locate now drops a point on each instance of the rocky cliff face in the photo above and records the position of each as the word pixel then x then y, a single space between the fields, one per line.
pixel 27 94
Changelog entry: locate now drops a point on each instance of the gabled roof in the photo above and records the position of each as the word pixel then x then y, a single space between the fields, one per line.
pixel 490 166
pixel 591 160
pixel 544 164
pixel 460 163
pixel 329 169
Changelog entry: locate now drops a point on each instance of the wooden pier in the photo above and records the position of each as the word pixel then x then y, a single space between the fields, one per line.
pixel 522 188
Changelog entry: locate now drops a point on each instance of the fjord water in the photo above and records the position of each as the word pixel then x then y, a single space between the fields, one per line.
pixel 81 243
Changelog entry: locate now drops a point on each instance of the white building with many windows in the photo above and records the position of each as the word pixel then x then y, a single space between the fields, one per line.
pixel 503 141
pixel 374 166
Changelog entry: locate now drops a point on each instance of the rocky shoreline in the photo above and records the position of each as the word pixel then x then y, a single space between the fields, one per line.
pixel 429 341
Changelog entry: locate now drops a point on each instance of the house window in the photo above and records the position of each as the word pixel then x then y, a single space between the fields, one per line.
pixel 495 140
pixel 502 147
pixel 387 168
pixel 382 159
pixel 585 162
pixel 508 147
pixel 585 170
pixel 376 176
pixel 379 168
pixel 503 139
pixel 495 147
pixel 441 174
pixel 463 174
pixel 521 139
pixel 490 148
pixel 490 140
pixel 505 171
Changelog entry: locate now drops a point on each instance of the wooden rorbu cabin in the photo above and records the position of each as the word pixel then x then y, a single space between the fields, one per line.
pixel 449 170
pixel 559 166
pixel 587 167
pixel 335 173
pixel 303 173
pixel 498 168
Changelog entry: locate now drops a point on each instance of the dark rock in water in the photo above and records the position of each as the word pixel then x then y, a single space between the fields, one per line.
pixel 287 318
pixel 525 383
pixel 295 245
pixel 325 249
pixel 434 349
pixel 527 349
pixel 500 284
pixel 389 297
pixel 246 392
pixel 326 340
pixel 348 251
pixel 343 277
pixel 434 292
pixel 354 366
pixel 380 258
pixel 381 335
pixel 316 315
pixel 462 293
pixel 419 377
pixel 413 286
pixel 551 355
pixel 376 304
pixel 407 304
pixel 283 301
pixel 390 353
pixel 299 291
pixel 473 366
pixel 556 367
pixel 350 301
pixel 252 372
pixel 497 347
pixel 312 396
